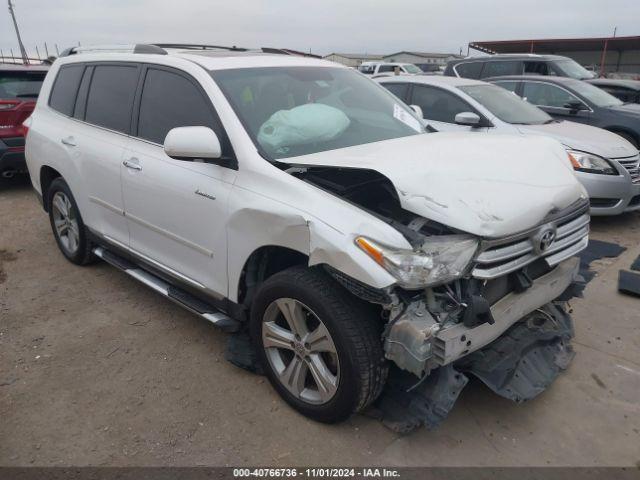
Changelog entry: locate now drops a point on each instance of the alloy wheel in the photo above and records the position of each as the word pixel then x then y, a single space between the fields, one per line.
pixel 65 222
pixel 300 351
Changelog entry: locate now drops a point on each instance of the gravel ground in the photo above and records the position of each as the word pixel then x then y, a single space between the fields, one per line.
pixel 96 369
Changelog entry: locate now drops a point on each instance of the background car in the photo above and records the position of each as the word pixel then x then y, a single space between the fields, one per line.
pixel 605 164
pixel 518 64
pixel 626 90
pixel 388 68
pixel 19 88
pixel 578 101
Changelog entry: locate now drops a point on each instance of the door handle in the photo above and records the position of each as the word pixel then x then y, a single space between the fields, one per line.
pixel 133 164
pixel 68 141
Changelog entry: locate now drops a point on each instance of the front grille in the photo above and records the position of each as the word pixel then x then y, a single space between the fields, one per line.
pixel 632 165
pixel 502 256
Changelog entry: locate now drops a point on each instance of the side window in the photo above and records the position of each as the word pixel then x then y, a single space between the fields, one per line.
pixel 536 68
pixel 385 68
pixel 65 89
pixel 469 70
pixel 501 68
pixel 546 95
pixel 398 89
pixel 111 95
pixel 168 101
pixel 508 85
pixel 438 105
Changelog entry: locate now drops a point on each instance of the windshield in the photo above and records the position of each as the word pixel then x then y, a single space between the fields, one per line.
pixel 410 68
pixel 506 105
pixel 595 95
pixel 573 69
pixel 291 111
pixel 20 84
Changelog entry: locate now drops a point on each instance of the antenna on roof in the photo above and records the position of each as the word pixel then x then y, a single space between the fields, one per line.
pixel 23 52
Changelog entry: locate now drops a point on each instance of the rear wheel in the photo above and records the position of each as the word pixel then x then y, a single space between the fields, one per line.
pixel 319 346
pixel 66 223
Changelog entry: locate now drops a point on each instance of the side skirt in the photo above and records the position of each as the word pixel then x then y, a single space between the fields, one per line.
pixel 176 294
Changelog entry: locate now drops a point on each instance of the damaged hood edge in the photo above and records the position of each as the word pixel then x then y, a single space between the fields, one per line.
pixel 490 186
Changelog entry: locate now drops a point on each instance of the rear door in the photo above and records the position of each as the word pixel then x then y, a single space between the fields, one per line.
pixel 104 106
pixel 177 209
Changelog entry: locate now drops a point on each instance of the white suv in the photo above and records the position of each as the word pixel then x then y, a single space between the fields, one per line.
pixel 299 202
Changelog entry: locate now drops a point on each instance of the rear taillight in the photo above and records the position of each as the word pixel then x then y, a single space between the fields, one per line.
pixel 8 105
pixel 25 126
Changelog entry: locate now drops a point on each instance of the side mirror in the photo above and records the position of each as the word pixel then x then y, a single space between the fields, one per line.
pixel 192 143
pixel 469 119
pixel 574 107
pixel 418 110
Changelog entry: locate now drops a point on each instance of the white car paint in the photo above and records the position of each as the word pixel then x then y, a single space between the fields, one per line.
pixel 508 200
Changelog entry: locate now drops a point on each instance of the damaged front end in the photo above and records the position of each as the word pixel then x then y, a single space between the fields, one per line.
pixel 463 304
pixel 497 313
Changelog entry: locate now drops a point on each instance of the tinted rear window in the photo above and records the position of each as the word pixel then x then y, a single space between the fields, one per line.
pixel 501 68
pixel 111 94
pixel 65 89
pixel 24 85
pixel 469 70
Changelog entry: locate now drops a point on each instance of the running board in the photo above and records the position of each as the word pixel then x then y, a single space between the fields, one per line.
pixel 173 293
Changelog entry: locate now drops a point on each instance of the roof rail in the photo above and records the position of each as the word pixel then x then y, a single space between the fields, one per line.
pixel 192 46
pixel 160 49
pixel 137 48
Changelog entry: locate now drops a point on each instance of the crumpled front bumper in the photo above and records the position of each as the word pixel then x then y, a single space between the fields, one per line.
pixel 520 365
pixel 416 342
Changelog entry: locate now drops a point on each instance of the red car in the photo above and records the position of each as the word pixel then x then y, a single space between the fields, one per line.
pixel 19 89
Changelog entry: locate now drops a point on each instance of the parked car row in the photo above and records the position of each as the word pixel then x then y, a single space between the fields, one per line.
pixel 304 205
pixel 605 163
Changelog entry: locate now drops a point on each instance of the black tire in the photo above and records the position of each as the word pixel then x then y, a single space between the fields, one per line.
pixel 81 255
pixel 353 327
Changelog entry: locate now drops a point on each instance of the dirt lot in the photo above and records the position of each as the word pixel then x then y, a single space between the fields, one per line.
pixel 95 369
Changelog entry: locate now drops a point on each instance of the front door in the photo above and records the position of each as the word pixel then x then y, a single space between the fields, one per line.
pixel 556 101
pixel 176 209
pixel 440 107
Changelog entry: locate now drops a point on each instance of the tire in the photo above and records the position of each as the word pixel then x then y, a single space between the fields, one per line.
pixel 70 234
pixel 349 348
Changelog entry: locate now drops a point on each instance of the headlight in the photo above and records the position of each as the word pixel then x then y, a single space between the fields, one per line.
pixel 590 163
pixel 439 260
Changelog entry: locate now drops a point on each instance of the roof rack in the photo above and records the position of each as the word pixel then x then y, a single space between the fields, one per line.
pixel 161 49
pixel 137 48
pixel 192 46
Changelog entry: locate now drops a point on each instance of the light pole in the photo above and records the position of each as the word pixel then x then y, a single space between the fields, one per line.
pixel 23 52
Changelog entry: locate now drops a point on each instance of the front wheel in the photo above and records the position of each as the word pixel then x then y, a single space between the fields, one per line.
pixel 319 346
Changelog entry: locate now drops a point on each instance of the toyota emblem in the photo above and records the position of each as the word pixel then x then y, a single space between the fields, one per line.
pixel 544 238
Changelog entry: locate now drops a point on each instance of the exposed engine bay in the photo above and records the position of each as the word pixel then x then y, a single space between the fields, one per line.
pixel 512 332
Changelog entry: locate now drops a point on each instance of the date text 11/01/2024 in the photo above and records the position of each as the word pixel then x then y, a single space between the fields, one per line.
pixel 315 472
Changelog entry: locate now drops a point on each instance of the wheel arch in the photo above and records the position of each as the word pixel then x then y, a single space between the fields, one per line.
pixel 263 263
pixel 47 176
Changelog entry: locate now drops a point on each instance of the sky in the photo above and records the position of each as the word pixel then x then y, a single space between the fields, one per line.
pixel 319 26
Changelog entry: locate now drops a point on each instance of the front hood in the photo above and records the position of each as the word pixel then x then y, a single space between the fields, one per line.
pixel 584 138
pixel 630 109
pixel 487 185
